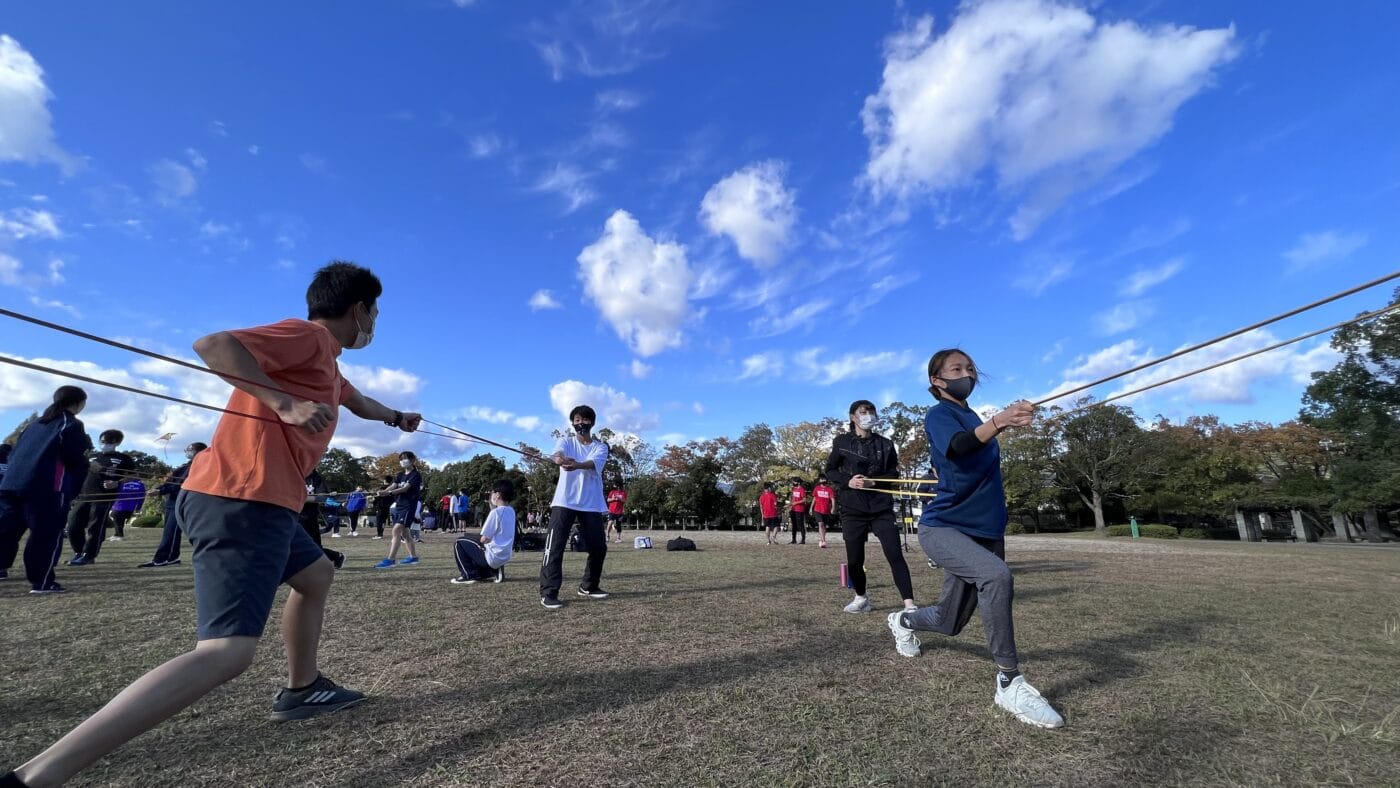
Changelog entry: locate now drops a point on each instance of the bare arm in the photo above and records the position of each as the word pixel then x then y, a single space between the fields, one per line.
pixel 372 410
pixel 224 354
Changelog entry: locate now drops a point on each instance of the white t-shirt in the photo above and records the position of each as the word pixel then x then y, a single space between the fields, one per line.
pixel 581 491
pixel 500 529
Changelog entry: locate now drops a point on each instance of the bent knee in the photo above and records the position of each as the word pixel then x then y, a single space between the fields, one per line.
pixel 227 657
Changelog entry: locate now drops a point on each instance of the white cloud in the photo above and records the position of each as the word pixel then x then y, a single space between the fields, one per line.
pixel 26 127
pixel 464 3
pixel 56 272
pixel 754 209
pixel 213 229
pixel 498 416
pixel 22 223
pixel 254 150
pixel 1054 352
pixel 484 146
pixel 639 369
pixel 13 274
pixel 48 303
pixel 1040 274
pixel 196 158
pixel 616 100
pixel 568 182
pixel 1123 317
pixel 782 320
pixel 1042 94
pixel 313 163
pixel 1112 359
pixel 1145 279
pixel 543 299
pixel 382 381
pixel 1233 383
pixel 615 409
pixel 218 128
pixel 814 365
pixel 1325 246
pixel 173 181
pixel 639 285
pixel 605 39
pixel 762 365
pixel 699 408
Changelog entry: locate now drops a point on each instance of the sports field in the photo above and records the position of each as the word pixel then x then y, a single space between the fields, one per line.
pixel 1200 663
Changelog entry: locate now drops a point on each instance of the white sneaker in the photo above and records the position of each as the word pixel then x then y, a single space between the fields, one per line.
pixel 905 642
pixel 335 536
pixel 858 605
pixel 1026 703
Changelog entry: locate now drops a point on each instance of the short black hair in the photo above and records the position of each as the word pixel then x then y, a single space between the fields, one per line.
pixel 198 446
pixel 338 287
pixel 64 397
pixel 505 489
pixel 111 436
pixel 408 455
pixel 584 411
pixel 462 491
pixel 935 365
pixel 768 485
pixel 388 480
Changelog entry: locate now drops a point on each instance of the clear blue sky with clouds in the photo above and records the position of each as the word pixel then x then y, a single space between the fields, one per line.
pixel 695 216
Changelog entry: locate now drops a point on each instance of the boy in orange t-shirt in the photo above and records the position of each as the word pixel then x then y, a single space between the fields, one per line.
pixel 239 507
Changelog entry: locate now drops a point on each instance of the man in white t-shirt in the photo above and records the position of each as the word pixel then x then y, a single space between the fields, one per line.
pixel 486 559
pixel 578 497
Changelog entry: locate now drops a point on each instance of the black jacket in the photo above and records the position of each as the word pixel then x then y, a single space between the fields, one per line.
pixel 850 456
pixel 107 466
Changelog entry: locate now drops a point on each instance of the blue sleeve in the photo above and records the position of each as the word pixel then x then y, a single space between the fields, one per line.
pixel 940 425
pixel 415 484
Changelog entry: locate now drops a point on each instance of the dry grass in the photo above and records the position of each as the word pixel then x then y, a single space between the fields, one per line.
pixel 1206 663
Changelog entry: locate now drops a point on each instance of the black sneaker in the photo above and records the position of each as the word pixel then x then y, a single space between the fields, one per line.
pixel 338 560
pixel 51 588
pixel 500 575
pixel 322 697
pixel 551 602
pixel 596 593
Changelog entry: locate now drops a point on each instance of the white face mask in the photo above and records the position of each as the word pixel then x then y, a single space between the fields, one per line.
pixel 189 455
pixel 867 421
pixel 106 447
pixel 362 337
pixel 405 464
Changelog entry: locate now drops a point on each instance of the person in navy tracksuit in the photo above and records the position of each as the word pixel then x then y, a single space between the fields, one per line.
pixel 168 551
pixel 47 467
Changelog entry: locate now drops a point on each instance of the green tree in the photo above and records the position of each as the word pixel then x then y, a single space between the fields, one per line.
pixel 1101 453
pixel 1357 403
pixel 342 472
pixel 906 429
pixel 747 458
pixel 802 448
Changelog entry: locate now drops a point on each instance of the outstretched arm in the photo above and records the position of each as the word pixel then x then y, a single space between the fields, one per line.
pixel 373 410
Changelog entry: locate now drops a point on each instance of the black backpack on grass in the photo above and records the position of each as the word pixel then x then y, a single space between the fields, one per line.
pixel 680 543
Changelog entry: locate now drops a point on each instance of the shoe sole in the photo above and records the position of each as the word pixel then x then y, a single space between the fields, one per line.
pixel 550 607
pixel 306 712
pixel 918 646
pixel 1018 715
pixel 591 595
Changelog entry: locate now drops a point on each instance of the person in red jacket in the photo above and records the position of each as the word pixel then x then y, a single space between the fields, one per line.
pixel 823 507
pixel 617 507
pixel 798 510
pixel 768 508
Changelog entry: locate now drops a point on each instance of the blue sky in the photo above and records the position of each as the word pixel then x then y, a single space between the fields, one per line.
pixel 695 216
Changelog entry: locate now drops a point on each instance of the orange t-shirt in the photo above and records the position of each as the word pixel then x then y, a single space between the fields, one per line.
pixel 254 460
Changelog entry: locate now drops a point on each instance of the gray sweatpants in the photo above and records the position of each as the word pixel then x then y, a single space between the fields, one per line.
pixel 974 573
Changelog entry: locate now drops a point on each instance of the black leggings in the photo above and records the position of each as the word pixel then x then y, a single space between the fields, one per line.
pixel 856 527
pixel 799 525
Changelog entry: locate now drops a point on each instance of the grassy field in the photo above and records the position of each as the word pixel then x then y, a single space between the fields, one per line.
pixel 1200 663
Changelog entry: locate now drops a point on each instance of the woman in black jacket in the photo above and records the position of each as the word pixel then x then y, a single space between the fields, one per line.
pixel 857 454
pixel 47 467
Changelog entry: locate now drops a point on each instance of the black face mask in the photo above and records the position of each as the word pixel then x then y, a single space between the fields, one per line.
pixel 960 388
pixel 583 428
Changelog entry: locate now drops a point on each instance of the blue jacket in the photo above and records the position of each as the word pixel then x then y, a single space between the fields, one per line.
pixel 355 503
pixel 49 458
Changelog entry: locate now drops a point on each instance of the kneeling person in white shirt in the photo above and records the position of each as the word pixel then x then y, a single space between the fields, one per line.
pixel 486 559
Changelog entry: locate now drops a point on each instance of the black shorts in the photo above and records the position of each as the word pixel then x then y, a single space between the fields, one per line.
pixel 614 518
pixel 772 522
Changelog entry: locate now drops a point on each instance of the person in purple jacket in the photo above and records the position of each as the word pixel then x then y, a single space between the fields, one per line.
pixel 46 469
pixel 130 496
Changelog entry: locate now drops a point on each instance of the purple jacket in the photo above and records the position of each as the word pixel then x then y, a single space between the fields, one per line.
pixel 130 496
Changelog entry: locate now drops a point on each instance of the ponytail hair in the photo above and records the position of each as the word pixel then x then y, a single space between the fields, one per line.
pixel 64 397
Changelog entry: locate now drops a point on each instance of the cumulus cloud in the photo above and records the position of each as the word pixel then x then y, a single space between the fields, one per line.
pixel 639 369
pixel 615 409
pixel 640 285
pixel 22 223
pixel 543 299
pixel 26 127
pixel 1145 279
pixel 754 209
pixel 1324 247
pixel 13 274
pixel 1043 95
